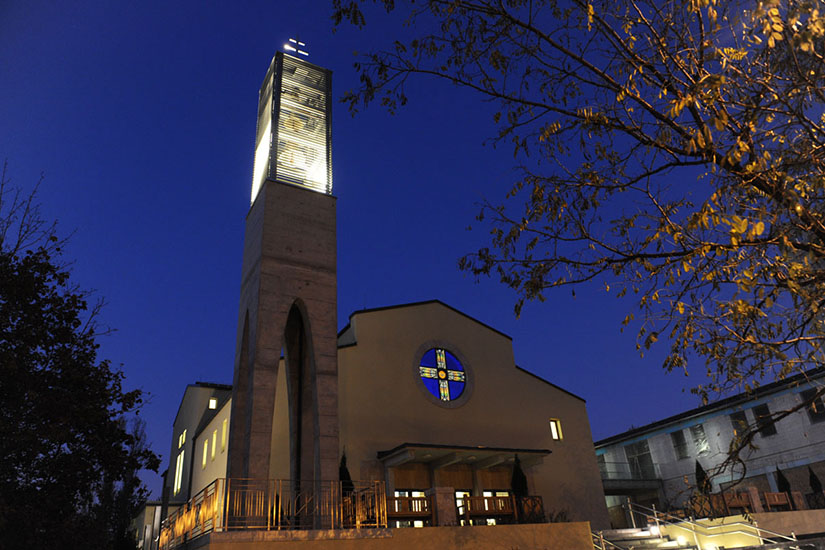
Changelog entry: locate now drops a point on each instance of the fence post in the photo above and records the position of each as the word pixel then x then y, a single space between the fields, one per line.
pixel 656 519
pixel 758 532
pixel 630 511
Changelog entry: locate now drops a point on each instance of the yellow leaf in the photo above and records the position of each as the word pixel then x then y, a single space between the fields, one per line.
pixel 759 228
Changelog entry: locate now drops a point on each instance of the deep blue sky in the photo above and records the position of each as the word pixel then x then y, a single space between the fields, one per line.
pixel 141 116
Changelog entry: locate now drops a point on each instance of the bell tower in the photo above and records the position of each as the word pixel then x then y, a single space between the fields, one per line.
pixel 288 301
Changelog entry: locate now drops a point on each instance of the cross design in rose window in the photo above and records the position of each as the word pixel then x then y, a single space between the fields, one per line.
pixel 441 366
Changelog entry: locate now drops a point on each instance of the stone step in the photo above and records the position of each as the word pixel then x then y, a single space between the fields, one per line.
pixel 610 533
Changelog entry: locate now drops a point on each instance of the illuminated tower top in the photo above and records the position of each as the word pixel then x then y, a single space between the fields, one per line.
pixel 294 135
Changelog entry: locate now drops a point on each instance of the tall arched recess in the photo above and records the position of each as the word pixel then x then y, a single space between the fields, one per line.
pixel 289 291
pixel 303 405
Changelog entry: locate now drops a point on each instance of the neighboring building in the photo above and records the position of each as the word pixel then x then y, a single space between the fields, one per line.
pixel 656 463
pixel 146 526
pixel 201 403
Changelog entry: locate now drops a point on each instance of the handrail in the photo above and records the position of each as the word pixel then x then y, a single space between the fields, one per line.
pixel 700 526
pixel 601 543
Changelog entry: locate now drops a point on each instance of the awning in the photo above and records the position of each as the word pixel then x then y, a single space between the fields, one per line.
pixel 479 457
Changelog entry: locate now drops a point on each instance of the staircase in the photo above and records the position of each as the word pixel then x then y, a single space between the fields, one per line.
pixel 637 539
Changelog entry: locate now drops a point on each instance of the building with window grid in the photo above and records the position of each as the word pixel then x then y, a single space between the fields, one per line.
pixel 656 463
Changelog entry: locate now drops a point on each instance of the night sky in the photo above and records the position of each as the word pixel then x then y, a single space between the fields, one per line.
pixel 141 116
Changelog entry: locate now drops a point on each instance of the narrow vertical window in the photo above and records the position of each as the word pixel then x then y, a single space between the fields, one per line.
pixel 555 429
pixel 816 410
pixel 764 422
pixel 700 440
pixel 679 444
pixel 223 434
pixel 205 452
pixel 739 421
pixel 214 443
pixel 178 474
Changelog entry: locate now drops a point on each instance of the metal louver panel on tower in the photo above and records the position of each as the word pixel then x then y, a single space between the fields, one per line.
pixel 294 126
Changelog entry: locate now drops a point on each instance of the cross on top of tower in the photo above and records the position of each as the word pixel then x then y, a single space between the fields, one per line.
pixel 295 45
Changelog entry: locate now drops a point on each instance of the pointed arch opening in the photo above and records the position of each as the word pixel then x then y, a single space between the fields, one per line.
pixel 303 409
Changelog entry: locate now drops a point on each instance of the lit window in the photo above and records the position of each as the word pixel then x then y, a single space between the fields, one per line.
pixel 181 439
pixel 488 504
pixel 442 374
pixel 205 452
pixel 214 443
pixel 213 403
pixel 413 505
pixel 459 503
pixel 178 474
pixel 555 429
pixel 223 434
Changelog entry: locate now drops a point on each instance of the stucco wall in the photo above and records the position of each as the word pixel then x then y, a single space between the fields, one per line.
pixel 383 404
pixel 215 467
pixel 552 536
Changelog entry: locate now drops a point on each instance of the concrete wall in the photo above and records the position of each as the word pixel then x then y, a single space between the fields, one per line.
pixel 738 531
pixel 552 536
pixel 383 404
pixel 289 261
pixel 802 522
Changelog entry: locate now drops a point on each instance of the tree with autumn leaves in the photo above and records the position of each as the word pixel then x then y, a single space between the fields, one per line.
pixel 671 150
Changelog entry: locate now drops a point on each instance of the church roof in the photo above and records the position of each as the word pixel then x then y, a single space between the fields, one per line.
pixel 415 304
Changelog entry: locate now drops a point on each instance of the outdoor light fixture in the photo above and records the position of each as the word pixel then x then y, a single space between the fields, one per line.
pixel 296 48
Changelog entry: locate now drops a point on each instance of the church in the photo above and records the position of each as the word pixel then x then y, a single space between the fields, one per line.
pixel 412 415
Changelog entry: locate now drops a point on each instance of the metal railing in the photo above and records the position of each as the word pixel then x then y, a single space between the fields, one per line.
pixel 601 543
pixel 409 507
pixel 629 471
pixel 272 504
pixel 651 516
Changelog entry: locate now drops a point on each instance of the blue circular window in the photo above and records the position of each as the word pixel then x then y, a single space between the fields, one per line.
pixel 442 374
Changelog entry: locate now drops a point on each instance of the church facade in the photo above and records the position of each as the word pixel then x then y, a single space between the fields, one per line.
pixel 396 425
pixel 437 423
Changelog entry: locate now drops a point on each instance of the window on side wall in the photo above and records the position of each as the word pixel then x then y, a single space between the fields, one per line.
pixel 639 460
pixel 224 428
pixel 816 409
pixel 739 421
pixel 764 422
pixel 680 445
pixel 555 429
pixel 700 440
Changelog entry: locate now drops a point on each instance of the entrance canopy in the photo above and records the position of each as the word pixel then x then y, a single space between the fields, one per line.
pixel 440 456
